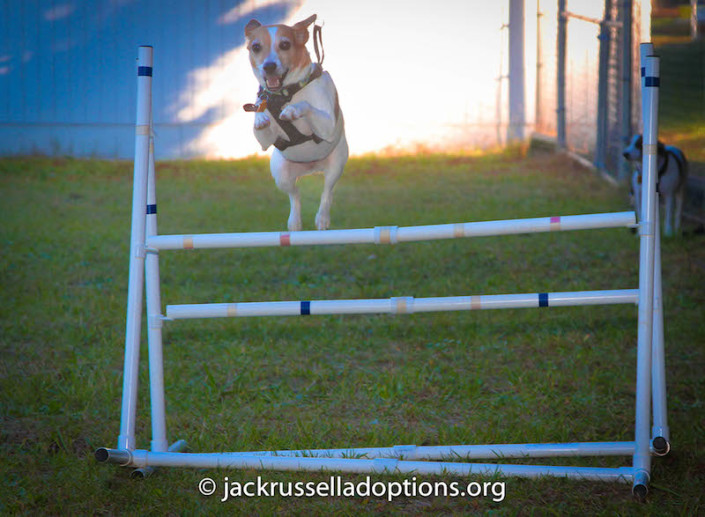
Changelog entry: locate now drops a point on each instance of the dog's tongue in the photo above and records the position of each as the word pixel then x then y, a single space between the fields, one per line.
pixel 273 82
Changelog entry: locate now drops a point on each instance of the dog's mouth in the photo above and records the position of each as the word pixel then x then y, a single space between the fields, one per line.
pixel 274 82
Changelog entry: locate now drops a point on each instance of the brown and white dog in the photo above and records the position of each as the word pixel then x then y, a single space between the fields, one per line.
pixel 297 112
pixel 672 176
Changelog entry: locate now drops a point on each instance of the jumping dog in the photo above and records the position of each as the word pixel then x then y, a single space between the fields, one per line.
pixel 297 111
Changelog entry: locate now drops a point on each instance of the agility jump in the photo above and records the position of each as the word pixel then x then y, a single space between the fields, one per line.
pixel 651 435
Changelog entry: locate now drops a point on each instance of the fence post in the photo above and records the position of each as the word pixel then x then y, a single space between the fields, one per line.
pixel 560 75
pixel 602 83
pixel 694 32
pixel 517 107
pixel 538 118
pixel 626 86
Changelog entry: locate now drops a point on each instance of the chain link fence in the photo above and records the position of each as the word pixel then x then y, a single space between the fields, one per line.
pixel 600 90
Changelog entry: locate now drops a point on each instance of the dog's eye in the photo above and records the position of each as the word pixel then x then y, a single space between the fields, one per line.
pixel 256 47
pixel 284 45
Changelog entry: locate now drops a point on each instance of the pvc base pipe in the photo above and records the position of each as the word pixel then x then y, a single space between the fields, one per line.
pixel 143 458
pixel 466 452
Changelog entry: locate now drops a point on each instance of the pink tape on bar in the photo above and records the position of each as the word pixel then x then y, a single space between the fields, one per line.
pixel 555 223
pixel 285 239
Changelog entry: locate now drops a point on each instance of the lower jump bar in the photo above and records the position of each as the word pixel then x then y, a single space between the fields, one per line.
pixel 392 234
pixel 402 305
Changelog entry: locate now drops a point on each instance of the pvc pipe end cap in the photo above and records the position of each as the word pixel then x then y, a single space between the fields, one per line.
pixel 102 455
pixel 139 474
pixel 661 446
pixel 640 491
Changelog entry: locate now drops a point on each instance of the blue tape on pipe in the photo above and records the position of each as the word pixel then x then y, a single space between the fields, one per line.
pixel 305 308
pixel 543 299
pixel 151 209
pixel 144 71
pixel 652 82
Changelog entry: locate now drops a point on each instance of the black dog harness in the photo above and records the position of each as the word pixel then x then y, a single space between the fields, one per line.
pixel 276 102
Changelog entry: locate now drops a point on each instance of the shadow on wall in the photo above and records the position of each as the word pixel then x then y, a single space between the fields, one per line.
pixel 67 70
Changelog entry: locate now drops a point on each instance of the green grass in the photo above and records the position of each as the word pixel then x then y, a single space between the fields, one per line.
pixel 249 384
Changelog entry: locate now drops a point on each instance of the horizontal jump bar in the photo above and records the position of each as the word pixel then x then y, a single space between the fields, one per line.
pixel 143 458
pixel 402 305
pixel 391 234
pixel 465 452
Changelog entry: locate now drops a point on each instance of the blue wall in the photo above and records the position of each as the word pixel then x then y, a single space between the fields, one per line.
pixel 67 70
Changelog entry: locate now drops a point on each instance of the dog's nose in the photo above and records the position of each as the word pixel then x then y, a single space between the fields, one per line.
pixel 625 154
pixel 269 67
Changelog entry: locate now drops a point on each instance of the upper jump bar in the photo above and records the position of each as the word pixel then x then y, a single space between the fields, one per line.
pixel 392 234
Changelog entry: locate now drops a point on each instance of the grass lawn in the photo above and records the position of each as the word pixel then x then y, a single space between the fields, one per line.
pixel 514 376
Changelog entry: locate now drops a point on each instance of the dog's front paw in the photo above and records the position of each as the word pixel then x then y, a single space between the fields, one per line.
pixel 294 224
pixel 261 121
pixel 294 111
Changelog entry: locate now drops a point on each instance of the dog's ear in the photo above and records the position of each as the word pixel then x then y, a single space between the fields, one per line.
pixel 661 147
pixel 251 26
pixel 301 30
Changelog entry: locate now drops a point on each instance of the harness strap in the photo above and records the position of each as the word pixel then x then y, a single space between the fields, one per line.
pixel 318 41
pixel 661 170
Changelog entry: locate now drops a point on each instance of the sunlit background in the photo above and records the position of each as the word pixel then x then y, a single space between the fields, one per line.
pixel 411 76
pixel 408 78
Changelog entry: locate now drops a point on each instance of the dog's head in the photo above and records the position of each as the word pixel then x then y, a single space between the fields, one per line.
pixel 633 152
pixel 278 53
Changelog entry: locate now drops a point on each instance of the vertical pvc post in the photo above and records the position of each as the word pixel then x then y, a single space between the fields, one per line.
pixel 560 75
pixel 154 319
pixel 645 50
pixel 642 431
pixel 135 288
pixel 660 431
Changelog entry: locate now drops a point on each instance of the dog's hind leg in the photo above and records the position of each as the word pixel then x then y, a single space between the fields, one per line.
pixel 323 215
pixel 680 194
pixel 294 222
pixel 668 230
pixel 636 193
pixel 285 178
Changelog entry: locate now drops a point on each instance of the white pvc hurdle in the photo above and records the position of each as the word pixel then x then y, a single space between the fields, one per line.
pixel 144 273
